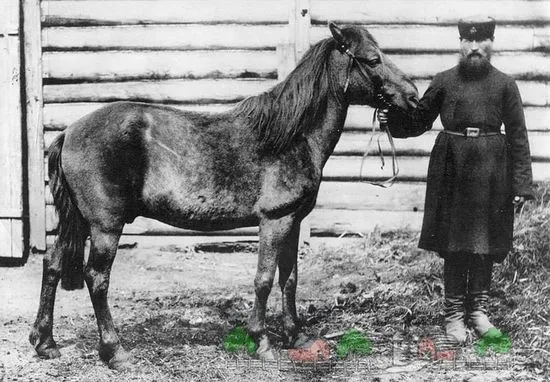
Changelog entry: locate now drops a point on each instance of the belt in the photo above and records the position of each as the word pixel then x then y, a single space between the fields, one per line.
pixel 472 132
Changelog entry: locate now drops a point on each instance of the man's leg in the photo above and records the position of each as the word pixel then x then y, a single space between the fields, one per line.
pixel 455 280
pixel 480 273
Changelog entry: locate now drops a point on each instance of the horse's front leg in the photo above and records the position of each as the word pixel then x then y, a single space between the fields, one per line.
pixel 277 238
pixel 98 270
pixel 288 281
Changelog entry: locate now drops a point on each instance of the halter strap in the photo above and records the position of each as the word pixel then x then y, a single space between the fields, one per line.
pixel 382 102
pixel 395 165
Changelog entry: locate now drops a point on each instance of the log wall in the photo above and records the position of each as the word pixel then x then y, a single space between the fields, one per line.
pixel 208 55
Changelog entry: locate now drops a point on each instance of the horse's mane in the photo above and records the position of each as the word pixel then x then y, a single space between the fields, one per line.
pixel 290 107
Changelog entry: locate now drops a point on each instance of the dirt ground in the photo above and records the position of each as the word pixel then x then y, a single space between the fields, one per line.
pixel 173 306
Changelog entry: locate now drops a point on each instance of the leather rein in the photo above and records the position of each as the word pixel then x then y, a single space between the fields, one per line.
pixel 381 103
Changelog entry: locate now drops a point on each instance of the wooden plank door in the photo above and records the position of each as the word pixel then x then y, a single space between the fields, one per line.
pixel 11 159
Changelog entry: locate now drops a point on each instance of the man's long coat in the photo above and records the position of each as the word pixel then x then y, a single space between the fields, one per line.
pixel 471 180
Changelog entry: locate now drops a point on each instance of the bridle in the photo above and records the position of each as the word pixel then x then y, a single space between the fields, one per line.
pixel 382 102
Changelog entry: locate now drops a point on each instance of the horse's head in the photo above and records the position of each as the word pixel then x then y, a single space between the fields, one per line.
pixel 366 74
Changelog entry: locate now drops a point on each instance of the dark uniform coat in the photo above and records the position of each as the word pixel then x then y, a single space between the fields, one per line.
pixel 471 180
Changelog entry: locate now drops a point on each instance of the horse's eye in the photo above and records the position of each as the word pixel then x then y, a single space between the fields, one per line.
pixel 374 62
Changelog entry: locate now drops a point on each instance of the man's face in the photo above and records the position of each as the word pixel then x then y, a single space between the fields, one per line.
pixel 476 52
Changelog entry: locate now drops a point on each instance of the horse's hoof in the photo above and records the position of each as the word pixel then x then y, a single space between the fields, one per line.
pixel 45 349
pixel 302 340
pixel 121 361
pixel 265 349
pixel 267 355
pixel 49 353
pixel 48 350
pixel 289 337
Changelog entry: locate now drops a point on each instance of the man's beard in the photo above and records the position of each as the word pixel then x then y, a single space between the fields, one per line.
pixel 474 68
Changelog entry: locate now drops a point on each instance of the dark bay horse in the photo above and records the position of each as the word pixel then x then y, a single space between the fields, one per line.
pixel 258 164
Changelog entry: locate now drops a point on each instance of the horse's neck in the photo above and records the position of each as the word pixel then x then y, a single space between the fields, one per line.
pixel 323 138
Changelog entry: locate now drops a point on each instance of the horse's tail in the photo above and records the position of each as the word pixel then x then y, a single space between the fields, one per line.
pixel 72 229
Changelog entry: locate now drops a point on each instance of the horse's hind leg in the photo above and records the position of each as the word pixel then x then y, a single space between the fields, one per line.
pixel 41 335
pixel 97 274
pixel 288 280
pixel 277 238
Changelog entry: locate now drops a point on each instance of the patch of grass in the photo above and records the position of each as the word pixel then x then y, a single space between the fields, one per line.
pixel 531 252
pixel 353 342
pixel 493 340
pixel 238 339
pixel 521 282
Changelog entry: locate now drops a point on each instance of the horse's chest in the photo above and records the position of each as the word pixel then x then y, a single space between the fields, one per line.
pixel 289 186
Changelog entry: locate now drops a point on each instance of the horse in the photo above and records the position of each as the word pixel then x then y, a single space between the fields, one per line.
pixel 257 164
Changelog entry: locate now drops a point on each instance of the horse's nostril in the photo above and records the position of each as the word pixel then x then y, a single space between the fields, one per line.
pixel 413 100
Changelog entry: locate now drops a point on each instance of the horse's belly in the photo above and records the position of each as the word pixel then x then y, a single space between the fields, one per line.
pixel 202 211
pixel 201 222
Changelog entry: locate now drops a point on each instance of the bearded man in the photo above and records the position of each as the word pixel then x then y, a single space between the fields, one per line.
pixel 475 176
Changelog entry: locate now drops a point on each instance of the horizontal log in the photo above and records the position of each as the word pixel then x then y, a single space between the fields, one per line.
pixel 247 11
pixel 131 65
pixel 157 37
pixel 354 143
pixel 57 116
pixel 534 93
pixel 542 40
pixel 427 11
pixel 128 65
pixel 359 196
pixel 412 169
pixel 401 196
pixel 348 168
pixel 518 65
pixel 323 223
pixel 76 12
pixel 417 38
pixel 430 38
pixel 168 91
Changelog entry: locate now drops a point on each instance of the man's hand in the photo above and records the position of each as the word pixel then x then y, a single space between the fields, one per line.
pixel 383 116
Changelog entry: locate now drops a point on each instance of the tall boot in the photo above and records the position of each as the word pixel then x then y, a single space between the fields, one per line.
pixel 480 273
pixel 455 276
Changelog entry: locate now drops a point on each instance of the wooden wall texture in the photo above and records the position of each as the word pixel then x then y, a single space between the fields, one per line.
pixel 11 161
pixel 207 55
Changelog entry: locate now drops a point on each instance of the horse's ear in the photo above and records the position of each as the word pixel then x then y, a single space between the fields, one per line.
pixel 337 34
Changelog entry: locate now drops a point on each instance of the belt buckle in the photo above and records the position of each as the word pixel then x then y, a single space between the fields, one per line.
pixel 471 132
